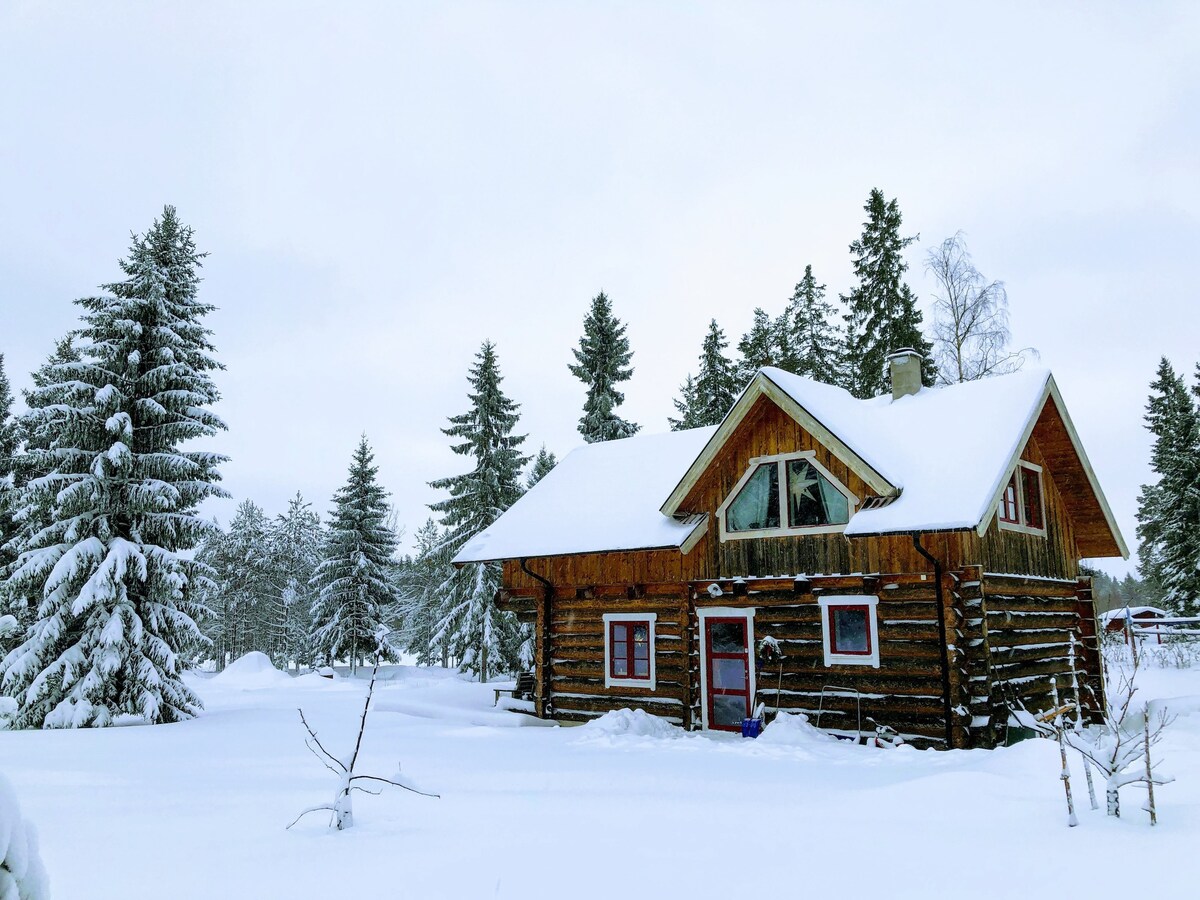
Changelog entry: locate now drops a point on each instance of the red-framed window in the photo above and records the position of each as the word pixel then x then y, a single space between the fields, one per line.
pixel 850 630
pixel 629 649
pixel 1009 510
pixel 1031 493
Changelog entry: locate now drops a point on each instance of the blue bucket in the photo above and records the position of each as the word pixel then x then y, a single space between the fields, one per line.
pixel 751 728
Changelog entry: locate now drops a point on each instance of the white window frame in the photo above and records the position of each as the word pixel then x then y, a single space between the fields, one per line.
pixel 609 680
pixel 724 612
pixel 781 460
pixel 1021 506
pixel 851 659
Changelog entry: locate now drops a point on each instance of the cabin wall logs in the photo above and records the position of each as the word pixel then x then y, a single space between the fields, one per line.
pixel 1008 637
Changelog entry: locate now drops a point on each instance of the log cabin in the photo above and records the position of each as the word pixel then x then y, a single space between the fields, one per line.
pixel 908 562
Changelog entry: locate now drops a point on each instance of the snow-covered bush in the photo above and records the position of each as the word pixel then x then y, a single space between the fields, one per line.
pixel 22 875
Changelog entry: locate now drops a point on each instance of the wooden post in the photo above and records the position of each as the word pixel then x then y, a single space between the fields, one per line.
pixel 685 647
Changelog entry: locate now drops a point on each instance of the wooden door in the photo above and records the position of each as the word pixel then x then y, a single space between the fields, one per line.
pixel 727 667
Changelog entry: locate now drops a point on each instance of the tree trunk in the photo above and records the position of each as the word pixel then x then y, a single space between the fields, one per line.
pixel 1114 801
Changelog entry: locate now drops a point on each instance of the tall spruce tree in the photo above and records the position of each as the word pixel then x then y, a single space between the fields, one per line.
pixel 812 343
pixel 246 602
pixel 882 311
pixel 760 346
pixel 687 407
pixel 116 591
pixel 484 638
pixel 542 464
pixel 602 362
pixel 708 397
pixel 1169 510
pixel 297 539
pixel 420 580
pixel 354 577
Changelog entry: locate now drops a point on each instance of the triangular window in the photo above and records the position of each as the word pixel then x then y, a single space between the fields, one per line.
pixel 784 495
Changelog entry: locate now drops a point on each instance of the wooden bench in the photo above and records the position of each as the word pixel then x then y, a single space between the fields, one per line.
pixel 522 691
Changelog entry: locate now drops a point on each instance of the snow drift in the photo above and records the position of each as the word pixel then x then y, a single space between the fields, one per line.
pixel 251 672
pixel 633 722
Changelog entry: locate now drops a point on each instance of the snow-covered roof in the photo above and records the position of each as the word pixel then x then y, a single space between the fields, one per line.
pixel 1134 611
pixel 599 497
pixel 944 454
pixel 946 449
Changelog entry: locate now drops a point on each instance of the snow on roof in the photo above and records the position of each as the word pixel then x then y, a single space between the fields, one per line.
pixel 946 448
pixel 601 496
pixel 1133 611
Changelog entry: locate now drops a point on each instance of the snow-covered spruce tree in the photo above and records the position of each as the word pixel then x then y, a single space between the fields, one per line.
pixel 707 398
pixel 686 406
pixel 355 575
pixel 247 603
pixel 811 342
pixel 1169 510
pixel 116 591
pixel 29 511
pixel 484 638
pixel 297 538
pixel 8 448
pixel 760 346
pixel 882 311
pixel 970 317
pixel 420 580
pixel 542 464
pixel 602 362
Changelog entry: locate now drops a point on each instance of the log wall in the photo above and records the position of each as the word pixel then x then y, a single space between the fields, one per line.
pixel 1029 624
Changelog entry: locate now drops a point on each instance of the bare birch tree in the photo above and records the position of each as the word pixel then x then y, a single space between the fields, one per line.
pixel 970 317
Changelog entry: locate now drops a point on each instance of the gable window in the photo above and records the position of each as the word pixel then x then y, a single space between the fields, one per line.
pixel 1022 504
pixel 784 494
pixel 850 630
pixel 629 650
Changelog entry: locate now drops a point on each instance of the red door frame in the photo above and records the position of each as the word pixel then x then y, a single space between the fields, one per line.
pixel 710 655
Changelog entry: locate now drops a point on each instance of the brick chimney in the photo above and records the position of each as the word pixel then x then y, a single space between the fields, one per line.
pixel 904 365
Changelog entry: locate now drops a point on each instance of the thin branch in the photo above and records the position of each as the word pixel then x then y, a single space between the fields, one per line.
pixel 311 809
pixel 394 784
pixel 337 762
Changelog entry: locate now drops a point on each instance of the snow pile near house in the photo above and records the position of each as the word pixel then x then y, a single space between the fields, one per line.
pixel 631 723
pixel 22 875
pixel 253 671
pixel 792 730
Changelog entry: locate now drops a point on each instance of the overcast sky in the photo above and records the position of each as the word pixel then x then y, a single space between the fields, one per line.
pixel 382 187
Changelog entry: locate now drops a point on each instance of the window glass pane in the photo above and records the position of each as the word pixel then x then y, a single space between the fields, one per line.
pixel 729 674
pixel 620 668
pixel 849 629
pixel 729 710
pixel 1008 501
pixel 757 503
pixel 641 651
pixel 618 633
pixel 812 498
pixel 727 637
pixel 641 668
pixel 641 633
pixel 1033 498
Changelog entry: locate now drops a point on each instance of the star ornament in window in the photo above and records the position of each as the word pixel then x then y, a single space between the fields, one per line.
pixel 803 487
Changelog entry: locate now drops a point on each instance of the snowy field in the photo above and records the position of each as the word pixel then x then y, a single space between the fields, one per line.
pixel 199 809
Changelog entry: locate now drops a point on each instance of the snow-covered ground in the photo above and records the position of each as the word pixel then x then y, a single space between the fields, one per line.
pixel 199 809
